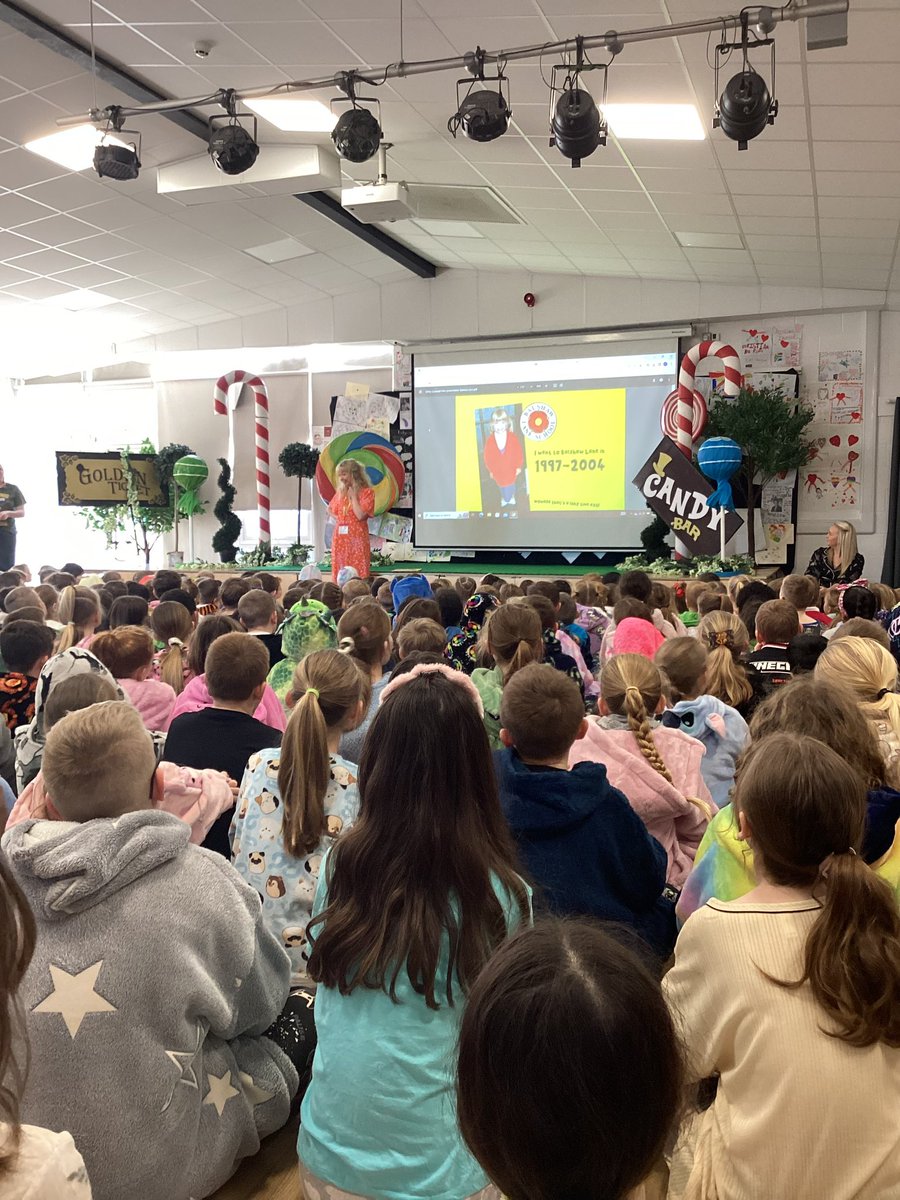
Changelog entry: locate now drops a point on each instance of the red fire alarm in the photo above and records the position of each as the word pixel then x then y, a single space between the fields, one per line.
pixel 529 299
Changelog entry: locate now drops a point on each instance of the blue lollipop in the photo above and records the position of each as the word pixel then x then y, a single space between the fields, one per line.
pixel 720 459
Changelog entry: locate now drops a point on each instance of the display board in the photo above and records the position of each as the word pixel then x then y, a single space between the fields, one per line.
pixel 525 449
pixel 98 479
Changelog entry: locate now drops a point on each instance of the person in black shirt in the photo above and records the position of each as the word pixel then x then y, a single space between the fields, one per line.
pixel 12 505
pixel 777 623
pixel 838 561
pixel 225 736
pixel 258 613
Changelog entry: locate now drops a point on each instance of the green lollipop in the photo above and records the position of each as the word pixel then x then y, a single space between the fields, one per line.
pixel 190 473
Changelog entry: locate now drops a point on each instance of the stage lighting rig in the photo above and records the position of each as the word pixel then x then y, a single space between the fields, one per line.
pixel 482 114
pixel 358 133
pixel 577 126
pixel 114 158
pixel 745 106
pixel 232 148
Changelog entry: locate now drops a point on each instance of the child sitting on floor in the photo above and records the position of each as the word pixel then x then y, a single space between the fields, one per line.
pixel 24 647
pixel 658 769
pixel 721 729
pixel 569 1072
pixel 579 838
pixel 791 996
pixel 127 653
pixel 410 904
pixel 153 978
pixel 173 629
pixel 297 800
pixel 514 639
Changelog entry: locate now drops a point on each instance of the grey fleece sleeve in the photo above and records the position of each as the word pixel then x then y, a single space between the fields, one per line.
pixel 7 756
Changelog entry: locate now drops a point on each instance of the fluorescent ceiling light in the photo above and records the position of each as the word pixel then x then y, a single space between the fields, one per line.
pixel 80 299
pixel 658 122
pixel 276 252
pixel 711 241
pixel 72 148
pixel 294 115
pixel 449 228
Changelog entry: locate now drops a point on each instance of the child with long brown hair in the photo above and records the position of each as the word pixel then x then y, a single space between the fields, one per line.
pixel 514 639
pixel 410 905
pixel 791 995
pixel 364 633
pixel 657 768
pixel 296 799
pixel 173 628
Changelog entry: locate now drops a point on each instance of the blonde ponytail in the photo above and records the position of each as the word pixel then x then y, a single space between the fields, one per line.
pixel 725 636
pixel 77 605
pixel 328 687
pixel 172 625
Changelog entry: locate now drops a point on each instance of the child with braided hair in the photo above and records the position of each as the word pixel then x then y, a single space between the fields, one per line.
pixel 657 768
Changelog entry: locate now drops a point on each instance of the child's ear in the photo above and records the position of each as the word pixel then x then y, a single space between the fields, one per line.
pixel 582 730
pixel 744 831
pixel 290 699
pixel 506 739
pixel 660 706
pixel 157 787
pixel 258 691
pixel 603 707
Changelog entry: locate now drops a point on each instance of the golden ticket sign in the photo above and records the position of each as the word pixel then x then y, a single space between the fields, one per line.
pixel 93 480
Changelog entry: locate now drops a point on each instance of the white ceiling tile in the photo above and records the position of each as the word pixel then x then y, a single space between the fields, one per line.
pixel 693 223
pixel 38 289
pixel 683 155
pixel 676 180
pixel 19 168
pixel 12 276
pixel 13 245
pixel 701 203
pixel 178 42
pixel 857 156
pixel 771 241
pixel 851 84
pixel 90 276
pixel 16 210
pixel 858 183
pixel 860 207
pixel 769 183
pixel 774 206
pixel 27 62
pixel 790 226
pixel 763 155
pixel 862 246
pixel 47 262
pixel 834 227
pixel 68 192
pixel 847 123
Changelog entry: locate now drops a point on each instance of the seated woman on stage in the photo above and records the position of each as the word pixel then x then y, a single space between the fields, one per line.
pixel 838 561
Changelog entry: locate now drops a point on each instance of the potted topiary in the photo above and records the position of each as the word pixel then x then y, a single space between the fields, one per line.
pixel 225 538
pixel 299 460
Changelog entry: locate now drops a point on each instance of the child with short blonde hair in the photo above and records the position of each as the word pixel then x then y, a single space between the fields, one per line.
pixel 153 976
pixel 421 634
pixel 127 653
pixel 657 768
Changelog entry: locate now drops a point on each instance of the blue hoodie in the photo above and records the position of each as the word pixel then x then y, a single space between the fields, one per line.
pixel 584 845
pixel 724 733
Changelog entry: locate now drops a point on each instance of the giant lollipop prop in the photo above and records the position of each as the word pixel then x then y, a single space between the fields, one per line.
pixel 376 454
pixel 225 397
pixel 189 474
pixel 719 459
pixel 684 419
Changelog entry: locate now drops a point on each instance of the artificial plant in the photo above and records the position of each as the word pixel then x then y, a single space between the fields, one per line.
pixel 770 429
pixel 653 539
pixel 225 538
pixel 300 460
pixel 131 522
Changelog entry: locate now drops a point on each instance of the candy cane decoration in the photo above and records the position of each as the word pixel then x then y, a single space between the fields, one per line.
pixel 225 400
pixel 684 418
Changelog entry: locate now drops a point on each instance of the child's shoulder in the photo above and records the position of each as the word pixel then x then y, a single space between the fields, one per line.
pixel 343 772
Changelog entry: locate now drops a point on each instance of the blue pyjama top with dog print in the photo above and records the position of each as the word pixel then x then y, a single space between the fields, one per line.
pixel 286 885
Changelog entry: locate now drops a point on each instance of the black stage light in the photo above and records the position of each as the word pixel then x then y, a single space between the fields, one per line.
pixel 576 126
pixel 232 148
pixel 745 107
pixel 115 161
pixel 483 116
pixel 357 135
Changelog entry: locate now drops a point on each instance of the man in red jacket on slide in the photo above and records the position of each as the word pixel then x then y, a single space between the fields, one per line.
pixel 503 456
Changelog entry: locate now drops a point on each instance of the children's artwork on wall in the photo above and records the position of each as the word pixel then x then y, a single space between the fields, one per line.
pixel 842 365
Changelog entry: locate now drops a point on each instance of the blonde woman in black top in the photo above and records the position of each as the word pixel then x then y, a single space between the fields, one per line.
pixel 838 561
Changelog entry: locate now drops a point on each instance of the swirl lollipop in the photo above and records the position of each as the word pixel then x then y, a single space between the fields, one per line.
pixel 379 459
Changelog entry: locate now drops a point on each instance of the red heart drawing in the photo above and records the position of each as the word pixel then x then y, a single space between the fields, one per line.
pixel 840 395
pixel 852 439
pixel 752 332
pixel 763 337
pixel 856 416
pixel 835 441
pixel 785 343
pixel 852 456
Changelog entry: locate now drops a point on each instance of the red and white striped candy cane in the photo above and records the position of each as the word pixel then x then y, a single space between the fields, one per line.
pixel 731 365
pixel 225 399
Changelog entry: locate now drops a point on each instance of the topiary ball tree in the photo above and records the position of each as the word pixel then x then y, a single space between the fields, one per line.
pixel 225 538
pixel 299 460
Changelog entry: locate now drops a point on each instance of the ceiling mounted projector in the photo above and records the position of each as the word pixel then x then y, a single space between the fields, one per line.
pixel 357 135
pixel 576 126
pixel 113 160
pixel 745 108
pixel 373 202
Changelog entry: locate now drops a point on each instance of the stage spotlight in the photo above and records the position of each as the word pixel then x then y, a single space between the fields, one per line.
pixel 745 108
pixel 232 148
pixel 576 127
pixel 357 135
pixel 483 116
pixel 117 160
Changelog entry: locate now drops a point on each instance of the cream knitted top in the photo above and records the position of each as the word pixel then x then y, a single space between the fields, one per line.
pixel 798 1115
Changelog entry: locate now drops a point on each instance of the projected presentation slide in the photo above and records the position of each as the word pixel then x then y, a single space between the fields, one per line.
pixel 536 454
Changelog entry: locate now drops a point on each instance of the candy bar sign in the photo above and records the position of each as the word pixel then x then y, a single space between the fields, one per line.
pixel 678 494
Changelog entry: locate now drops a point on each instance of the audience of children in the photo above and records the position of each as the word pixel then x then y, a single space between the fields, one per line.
pixel 127 653
pixel 378 891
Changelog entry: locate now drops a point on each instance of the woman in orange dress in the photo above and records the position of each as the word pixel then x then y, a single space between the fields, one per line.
pixel 352 505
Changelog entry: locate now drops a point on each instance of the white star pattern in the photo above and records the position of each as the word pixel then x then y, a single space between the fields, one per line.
pixel 255 1094
pixel 220 1091
pixel 186 1072
pixel 73 996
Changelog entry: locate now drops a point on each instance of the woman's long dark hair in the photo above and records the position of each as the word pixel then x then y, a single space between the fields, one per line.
pixel 17 939
pixel 419 864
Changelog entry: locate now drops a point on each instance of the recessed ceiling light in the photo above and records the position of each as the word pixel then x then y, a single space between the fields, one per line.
pixel 658 122
pixel 276 252
pixel 80 299
pixel 711 241
pixel 449 228
pixel 72 148
pixel 293 115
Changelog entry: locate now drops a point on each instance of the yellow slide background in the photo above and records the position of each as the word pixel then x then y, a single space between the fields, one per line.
pixel 590 424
